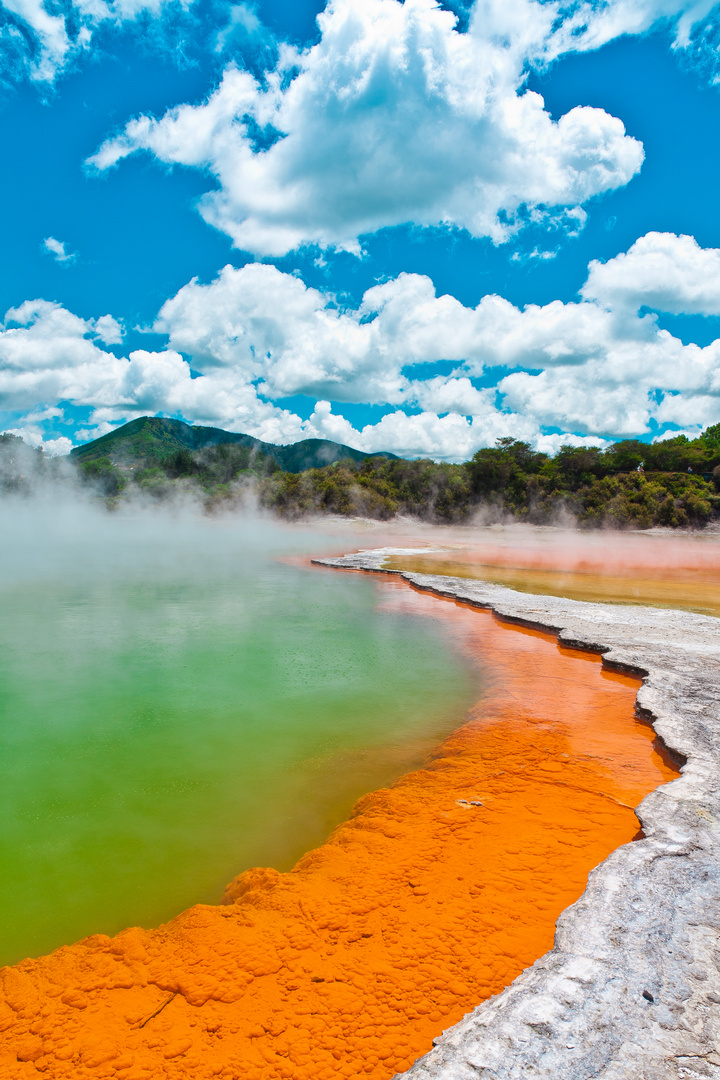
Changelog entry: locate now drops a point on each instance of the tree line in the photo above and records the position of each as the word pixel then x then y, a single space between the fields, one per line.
pixel 629 484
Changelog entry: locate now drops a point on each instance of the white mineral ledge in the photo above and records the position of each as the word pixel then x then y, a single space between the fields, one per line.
pixel 631 988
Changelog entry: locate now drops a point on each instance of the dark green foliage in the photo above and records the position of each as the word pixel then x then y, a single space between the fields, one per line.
pixel 315 454
pixel 335 489
pixel 598 488
pixel 378 488
pixel 214 472
pixel 180 464
pixel 18 463
pixel 634 500
pixel 219 465
pixel 711 437
pixel 101 474
pixel 629 485
pixel 22 468
pixel 673 455
pixel 153 439
pixel 504 469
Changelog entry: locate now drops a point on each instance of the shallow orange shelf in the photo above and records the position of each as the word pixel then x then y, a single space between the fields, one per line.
pixel 435 894
pixel 627 569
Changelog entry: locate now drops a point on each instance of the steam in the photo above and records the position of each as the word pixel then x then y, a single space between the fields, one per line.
pixel 611 553
pixel 54 524
pixel 60 531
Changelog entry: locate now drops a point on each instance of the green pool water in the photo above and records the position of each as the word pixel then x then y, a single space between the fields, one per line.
pixel 176 705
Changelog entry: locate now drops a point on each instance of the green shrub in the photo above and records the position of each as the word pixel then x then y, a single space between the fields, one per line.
pixel 102 475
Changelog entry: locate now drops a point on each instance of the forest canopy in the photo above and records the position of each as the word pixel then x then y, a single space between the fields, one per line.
pixel 629 484
pixel 633 484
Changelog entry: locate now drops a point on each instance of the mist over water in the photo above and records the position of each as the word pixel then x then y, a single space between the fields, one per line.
pixel 660 568
pixel 177 705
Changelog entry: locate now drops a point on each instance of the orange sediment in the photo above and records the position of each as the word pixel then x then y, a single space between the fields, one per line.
pixel 435 894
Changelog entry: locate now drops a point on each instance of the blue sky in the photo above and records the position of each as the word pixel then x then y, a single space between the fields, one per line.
pixel 392 226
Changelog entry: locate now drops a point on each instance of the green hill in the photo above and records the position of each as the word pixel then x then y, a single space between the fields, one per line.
pixel 151 440
pixel 629 484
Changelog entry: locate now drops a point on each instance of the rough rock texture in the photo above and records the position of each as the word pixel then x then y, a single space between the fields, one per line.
pixel 631 988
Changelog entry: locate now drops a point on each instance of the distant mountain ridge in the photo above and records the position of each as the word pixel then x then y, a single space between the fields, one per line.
pixel 152 438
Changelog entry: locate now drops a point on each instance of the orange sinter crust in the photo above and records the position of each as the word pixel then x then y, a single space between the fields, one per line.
pixel 435 894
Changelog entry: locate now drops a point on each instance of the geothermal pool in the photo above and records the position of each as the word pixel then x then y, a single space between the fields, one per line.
pixel 177 705
pixel 235 705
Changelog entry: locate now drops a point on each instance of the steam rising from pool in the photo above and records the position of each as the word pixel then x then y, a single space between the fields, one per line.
pixel 660 568
pixel 180 700
pixel 177 705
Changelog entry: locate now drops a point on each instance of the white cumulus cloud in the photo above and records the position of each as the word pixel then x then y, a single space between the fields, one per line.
pixel 660 271
pixel 392 117
pixel 58 250
pixel 561 373
pixel 58 33
pixel 594 25
pixel 594 366
pixel 54 34
pixel 33 436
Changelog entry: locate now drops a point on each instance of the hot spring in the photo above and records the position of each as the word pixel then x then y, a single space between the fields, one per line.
pixel 187 703
pixel 178 705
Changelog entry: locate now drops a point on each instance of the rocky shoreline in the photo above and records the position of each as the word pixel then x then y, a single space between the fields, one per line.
pixel 631 988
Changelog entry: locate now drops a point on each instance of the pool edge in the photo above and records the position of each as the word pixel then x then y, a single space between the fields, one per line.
pixel 631 987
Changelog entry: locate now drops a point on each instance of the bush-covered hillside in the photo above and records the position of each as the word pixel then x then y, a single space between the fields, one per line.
pixel 678 485
pixel 630 484
pixel 23 469
pixel 153 440
pixel 214 472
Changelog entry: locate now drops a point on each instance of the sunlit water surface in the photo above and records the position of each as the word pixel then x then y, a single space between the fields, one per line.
pixel 177 705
